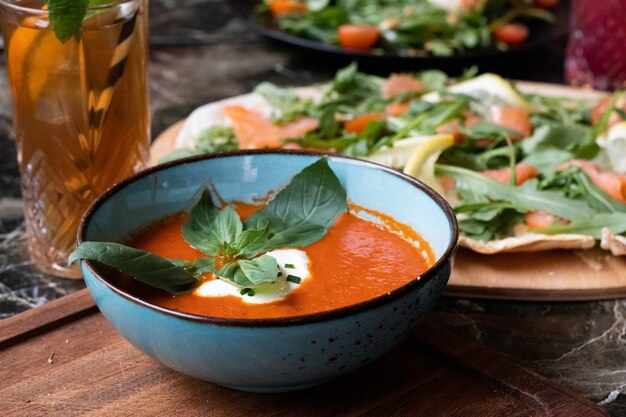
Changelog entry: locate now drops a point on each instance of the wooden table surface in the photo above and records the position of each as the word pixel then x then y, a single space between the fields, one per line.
pixel 64 359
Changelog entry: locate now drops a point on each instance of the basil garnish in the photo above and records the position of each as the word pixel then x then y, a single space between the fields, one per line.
pixel 173 276
pixel 299 215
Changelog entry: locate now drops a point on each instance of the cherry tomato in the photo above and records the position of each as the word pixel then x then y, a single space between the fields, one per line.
pixel 511 33
pixel 281 7
pixel 358 124
pixel 359 37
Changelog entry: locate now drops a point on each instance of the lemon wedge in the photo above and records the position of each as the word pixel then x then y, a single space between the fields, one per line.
pixel 36 52
pixel 613 148
pixel 417 155
pixel 492 85
pixel 421 163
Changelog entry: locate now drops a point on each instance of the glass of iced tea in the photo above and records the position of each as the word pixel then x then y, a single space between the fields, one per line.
pixel 596 56
pixel 81 114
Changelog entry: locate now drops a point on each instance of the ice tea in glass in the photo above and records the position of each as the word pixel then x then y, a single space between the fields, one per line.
pixel 81 115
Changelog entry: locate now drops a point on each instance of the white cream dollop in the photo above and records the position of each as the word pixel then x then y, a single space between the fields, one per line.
pixel 269 292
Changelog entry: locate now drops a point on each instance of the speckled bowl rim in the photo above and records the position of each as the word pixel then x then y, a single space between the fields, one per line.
pixel 425 277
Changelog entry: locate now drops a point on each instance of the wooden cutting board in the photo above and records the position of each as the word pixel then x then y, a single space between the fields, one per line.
pixel 557 275
pixel 64 359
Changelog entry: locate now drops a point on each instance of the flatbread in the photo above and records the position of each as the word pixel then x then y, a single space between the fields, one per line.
pixel 530 242
pixel 616 244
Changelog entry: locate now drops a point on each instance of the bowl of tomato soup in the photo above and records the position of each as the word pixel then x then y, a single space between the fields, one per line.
pixel 343 300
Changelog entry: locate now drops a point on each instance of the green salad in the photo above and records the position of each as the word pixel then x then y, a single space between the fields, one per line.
pixel 514 164
pixel 409 27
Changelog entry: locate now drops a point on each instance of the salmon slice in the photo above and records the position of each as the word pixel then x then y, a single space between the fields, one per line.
pixel 398 84
pixel 514 118
pixel 538 219
pixel 447 183
pixel 598 110
pixel 454 127
pixel 298 127
pixel 612 183
pixel 253 131
pixel 358 124
pixel 523 172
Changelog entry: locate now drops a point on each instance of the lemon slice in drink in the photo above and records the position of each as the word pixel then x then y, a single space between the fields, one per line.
pixel 421 162
pixel 32 55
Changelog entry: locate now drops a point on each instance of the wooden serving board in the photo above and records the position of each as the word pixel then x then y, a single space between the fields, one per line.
pixel 64 359
pixel 556 275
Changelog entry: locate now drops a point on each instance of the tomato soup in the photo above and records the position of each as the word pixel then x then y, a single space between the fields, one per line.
pixel 356 261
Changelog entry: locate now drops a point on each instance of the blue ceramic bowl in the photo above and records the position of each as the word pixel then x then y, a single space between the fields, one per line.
pixel 267 355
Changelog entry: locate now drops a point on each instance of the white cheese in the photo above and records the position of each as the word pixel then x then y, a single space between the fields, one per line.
pixel 613 148
pixel 269 292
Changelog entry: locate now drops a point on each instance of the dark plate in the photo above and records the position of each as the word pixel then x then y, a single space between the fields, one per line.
pixel 541 34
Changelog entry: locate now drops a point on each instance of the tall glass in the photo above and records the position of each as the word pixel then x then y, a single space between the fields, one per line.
pixel 81 115
pixel 596 56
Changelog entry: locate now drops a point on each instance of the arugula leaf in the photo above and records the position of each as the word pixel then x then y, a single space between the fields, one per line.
pixel 570 141
pixel 328 125
pixel 525 195
pixel 284 99
pixel 574 183
pixel 433 80
pixel 491 223
pixel 217 139
pixel 176 277
pixel 591 226
pixel 66 17
pixel 301 213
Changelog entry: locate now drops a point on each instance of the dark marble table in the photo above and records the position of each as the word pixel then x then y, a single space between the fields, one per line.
pixel 201 53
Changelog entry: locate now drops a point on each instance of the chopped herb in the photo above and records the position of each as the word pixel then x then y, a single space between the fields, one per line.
pixel 248 291
pixel 294 279
pixel 290 266
pixel 280 274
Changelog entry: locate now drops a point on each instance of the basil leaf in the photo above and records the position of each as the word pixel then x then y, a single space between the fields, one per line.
pixel 301 213
pixel 260 270
pixel 227 225
pixel 207 229
pixel 250 273
pixel 591 226
pixel 252 242
pixel 203 266
pixel 143 266
pixel 66 17
pixel 525 195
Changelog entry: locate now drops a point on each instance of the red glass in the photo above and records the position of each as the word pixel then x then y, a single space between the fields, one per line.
pixel 596 55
